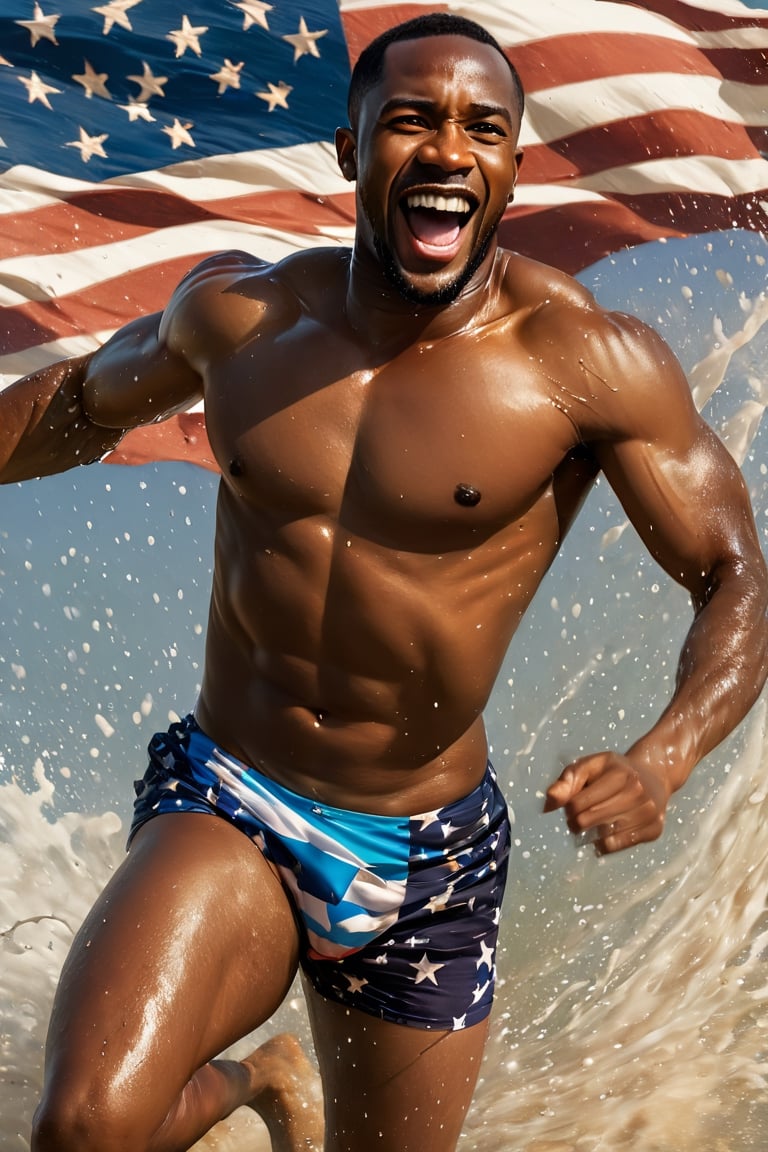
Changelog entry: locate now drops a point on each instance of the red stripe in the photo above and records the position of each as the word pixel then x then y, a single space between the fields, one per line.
pixel 574 236
pixel 575 57
pixel 578 56
pixel 659 135
pixel 181 438
pixel 759 137
pixel 91 218
pixel 745 65
pixel 108 304
pixel 698 19
pixel 360 27
pixel 105 216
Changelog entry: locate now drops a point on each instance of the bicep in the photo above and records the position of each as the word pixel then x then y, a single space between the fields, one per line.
pixel 684 494
pixel 135 378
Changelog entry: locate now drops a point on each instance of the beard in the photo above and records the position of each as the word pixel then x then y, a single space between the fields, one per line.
pixel 447 293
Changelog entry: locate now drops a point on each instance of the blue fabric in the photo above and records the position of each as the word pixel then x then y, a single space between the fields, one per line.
pixel 400 914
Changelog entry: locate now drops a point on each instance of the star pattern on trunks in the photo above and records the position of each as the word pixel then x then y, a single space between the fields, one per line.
pixel 356 983
pixel 486 956
pixel 401 915
pixel 439 902
pixel 426 970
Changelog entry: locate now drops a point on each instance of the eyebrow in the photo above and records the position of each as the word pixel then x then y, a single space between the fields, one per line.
pixel 475 110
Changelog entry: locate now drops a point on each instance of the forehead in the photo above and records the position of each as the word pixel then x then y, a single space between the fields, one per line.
pixel 437 67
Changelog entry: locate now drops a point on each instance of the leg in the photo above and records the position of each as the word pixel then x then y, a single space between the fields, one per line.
pixel 191 946
pixel 388 1087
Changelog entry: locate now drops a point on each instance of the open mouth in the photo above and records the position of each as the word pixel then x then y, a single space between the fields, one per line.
pixel 436 221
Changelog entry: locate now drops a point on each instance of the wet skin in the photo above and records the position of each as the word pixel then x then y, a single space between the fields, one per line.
pixel 397 476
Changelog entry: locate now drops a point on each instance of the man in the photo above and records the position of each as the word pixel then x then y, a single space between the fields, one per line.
pixel 405 433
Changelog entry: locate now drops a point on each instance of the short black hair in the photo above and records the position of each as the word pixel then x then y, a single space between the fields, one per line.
pixel 369 68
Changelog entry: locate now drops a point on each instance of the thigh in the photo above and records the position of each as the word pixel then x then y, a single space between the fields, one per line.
pixel 191 945
pixel 389 1086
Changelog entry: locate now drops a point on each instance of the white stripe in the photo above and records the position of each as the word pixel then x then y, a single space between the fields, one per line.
pixel 309 168
pixel 23 188
pixel 734 37
pixel 705 174
pixel 60 275
pixel 552 195
pixel 554 113
pixel 528 21
pixel 731 7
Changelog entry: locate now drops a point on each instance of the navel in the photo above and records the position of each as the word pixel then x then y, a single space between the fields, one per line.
pixel 467 496
pixel 236 466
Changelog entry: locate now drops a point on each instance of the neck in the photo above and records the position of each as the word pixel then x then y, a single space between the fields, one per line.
pixel 380 314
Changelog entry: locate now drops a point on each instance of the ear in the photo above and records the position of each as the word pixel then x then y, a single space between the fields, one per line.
pixel 346 153
pixel 518 161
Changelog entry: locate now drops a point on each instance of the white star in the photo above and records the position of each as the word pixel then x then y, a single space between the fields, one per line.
pixel 277 95
pixel 150 84
pixel 459 1022
pixel 7 63
pixel 426 969
pixel 254 12
pixel 137 112
pixel 37 89
pixel 439 902
pixel 93 82
pixel 447 829
pixel 414 940
pixel 88 145
pixel 228 75
pixel 355 982
pixel 40 27
pixel 303 41
pixel 428 818
pixel 480 991
pixel 187 37
pixel 486 956
pixel 115 13
pixel 179 133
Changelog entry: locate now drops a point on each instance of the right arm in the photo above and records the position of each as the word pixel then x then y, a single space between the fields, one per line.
pixel 75 411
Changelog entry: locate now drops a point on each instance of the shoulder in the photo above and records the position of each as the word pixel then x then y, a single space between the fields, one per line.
pixel 229 296
pixel 612 372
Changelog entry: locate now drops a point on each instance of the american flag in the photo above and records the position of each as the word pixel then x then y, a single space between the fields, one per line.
pixel 137 136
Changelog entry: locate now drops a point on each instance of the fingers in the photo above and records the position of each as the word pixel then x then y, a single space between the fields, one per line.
pixel 619 803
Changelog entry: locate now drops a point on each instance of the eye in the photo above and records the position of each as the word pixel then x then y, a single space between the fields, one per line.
pixel 408 122
pixel 487 128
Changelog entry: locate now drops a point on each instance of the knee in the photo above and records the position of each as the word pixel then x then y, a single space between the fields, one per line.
pixel 68 1124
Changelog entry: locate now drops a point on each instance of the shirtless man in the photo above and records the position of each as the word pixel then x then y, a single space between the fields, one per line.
pixel 405 432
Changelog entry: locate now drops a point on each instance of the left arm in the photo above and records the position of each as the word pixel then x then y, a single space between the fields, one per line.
pixel 686 498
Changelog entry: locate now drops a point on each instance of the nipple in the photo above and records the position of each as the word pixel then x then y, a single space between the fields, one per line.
pixel 467 496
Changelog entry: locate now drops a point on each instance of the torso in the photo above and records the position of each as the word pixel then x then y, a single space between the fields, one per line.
pixel 381 529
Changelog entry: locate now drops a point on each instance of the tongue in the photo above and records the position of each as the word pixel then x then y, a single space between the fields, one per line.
pixel 440 229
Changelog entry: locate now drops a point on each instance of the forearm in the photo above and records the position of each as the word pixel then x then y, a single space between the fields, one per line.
pixel 43 426
pixel 723 666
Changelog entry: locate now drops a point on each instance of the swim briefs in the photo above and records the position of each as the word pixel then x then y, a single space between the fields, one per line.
pixel 398 915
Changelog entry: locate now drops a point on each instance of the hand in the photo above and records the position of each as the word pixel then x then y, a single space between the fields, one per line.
pixel 626 803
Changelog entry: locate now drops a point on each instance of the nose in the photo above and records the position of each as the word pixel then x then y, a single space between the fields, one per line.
pixel 447 147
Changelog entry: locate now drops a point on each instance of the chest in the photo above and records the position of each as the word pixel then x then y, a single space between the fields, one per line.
pixel 457 438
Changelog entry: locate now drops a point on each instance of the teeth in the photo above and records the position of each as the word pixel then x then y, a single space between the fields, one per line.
pixel 439 203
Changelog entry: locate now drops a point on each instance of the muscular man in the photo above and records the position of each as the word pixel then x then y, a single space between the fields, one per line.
pixel 404 432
